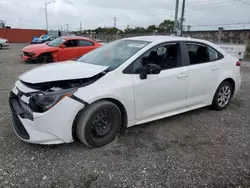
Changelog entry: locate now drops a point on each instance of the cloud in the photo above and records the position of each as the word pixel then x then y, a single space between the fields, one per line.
pixel 95 13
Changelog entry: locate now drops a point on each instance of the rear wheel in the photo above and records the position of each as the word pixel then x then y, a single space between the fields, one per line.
pixel 99 124
pixel 222 96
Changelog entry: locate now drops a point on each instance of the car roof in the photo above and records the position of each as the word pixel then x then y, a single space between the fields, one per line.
pixel 75 37
pixel 162 38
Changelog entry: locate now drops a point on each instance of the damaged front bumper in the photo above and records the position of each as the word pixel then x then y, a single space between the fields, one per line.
pixel 29 59
pixel 51 127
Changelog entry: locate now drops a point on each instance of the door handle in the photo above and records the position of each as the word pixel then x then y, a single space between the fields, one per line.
pixel 216 67
pixel 181 75
pixel 185 74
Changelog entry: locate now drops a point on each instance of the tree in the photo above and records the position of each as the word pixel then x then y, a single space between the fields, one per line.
pixel 139 30
pixel 151 28
pixel 166 25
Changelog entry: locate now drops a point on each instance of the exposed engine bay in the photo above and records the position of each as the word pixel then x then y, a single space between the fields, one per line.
pixel 48 94
pixel 64 84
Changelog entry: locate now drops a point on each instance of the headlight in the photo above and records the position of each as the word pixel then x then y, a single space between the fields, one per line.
pixel 46 100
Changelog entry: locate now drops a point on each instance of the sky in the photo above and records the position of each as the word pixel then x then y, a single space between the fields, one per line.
pixel 200 14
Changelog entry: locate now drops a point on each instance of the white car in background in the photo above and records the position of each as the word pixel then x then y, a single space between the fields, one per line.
pixel 124 83
pixel 4 43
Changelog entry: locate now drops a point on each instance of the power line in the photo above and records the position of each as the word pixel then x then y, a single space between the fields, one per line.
pixel 228 24
pixel 171 11
pixel 213 7
pixel 204 2
pixel 218 3
pixel 244 2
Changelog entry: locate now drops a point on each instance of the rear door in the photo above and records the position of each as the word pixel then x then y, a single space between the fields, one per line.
pixel 68 50
pixel 204 71
pixel 84 46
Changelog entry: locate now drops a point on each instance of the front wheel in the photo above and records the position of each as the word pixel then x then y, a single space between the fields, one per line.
pixel 45 58
pixel 222 96
pixel 99 124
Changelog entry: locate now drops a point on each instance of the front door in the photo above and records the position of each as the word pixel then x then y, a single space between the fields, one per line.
pixel 165 93
pixel 69 50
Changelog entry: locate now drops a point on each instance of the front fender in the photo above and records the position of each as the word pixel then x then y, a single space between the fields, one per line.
pixel 53 52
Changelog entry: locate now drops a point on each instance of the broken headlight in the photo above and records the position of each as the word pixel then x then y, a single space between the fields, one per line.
pixel 42 102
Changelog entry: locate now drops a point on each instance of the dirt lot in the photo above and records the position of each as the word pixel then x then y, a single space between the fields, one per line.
pixel 202 148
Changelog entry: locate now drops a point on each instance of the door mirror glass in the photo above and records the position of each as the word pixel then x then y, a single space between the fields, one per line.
pixel 149 69
pixel 63 46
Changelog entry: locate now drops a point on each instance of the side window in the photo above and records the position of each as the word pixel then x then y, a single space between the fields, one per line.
pixel 85 43
pixel 213 54
pixel 198 53
pixel 71 43
pixel 166 56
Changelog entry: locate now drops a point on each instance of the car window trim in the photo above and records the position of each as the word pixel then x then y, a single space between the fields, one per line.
pixel 220 56
pixel 181 63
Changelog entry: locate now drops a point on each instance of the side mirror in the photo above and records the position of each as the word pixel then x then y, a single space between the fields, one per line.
pixel 63 46
pixel 149 69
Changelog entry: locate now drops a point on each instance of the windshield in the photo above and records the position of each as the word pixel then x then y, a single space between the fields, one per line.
pixel 56 42
pixel 113 54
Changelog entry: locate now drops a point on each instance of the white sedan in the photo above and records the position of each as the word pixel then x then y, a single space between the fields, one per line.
pixel 4 43
pixel 124 83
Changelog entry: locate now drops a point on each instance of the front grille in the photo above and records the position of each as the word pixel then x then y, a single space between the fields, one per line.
pixel 17 109
pixel 27 54
pixel 18 126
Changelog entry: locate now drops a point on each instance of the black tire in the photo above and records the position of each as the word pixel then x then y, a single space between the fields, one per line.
pixel 1 46
pixel 216 104
pixel 99 124
pixel 45 58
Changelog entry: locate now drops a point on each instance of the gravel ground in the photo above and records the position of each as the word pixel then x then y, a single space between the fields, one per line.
pixel 202 148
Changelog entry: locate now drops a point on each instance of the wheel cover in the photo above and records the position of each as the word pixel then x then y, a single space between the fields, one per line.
pixel 224 96
pixel 102 124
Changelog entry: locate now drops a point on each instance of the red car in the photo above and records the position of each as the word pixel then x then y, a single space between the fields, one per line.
pixel 59 49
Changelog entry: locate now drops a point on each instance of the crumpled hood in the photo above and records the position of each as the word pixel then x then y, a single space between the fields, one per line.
pixel 34 47
pixel 67 70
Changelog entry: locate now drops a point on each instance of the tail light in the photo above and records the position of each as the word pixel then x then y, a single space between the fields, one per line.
pixel 7 41
pixel 238 63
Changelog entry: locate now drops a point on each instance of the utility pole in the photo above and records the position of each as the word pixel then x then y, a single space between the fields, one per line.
pixel 46 17
pixel 176 16
pixel 115 22
pixel 67 28
pixel 182 15
pixel 81 26
pixel 19 22
pixel 46 14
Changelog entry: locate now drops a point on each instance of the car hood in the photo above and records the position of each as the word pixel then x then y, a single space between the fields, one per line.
pixel 34 47
pixel 67 70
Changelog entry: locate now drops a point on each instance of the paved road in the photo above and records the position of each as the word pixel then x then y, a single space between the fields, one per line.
pixel 195 149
